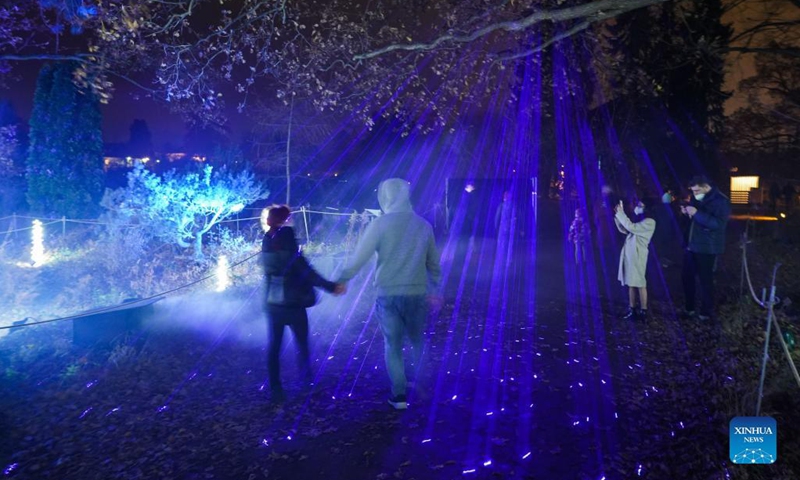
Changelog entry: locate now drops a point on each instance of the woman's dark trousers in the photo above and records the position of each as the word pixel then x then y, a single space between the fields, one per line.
pixel 296 319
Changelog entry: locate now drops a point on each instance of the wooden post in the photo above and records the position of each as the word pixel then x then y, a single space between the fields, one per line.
pixel 305 222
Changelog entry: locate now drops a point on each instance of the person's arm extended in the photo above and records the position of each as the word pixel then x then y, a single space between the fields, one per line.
pixel 300 266
pixel 307 272
pixel 640 228
pixel 620 226
pixel 714 219
pixel 367 246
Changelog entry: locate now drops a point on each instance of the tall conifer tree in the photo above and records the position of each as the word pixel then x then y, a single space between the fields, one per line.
pixel 64 168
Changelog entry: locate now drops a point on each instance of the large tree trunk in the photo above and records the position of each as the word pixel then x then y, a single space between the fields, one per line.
pixel 198 246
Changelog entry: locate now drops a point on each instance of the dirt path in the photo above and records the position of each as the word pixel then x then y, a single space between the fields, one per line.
pixel 529 374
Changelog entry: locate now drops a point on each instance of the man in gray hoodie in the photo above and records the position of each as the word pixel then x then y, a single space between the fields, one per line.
pixel 407 270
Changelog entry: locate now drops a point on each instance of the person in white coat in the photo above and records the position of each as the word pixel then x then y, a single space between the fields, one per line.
pixel 633 258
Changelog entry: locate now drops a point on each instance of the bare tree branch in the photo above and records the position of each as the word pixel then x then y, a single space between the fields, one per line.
pixel 599 10
pixel 763 26
pixel 792 52
pixel 561 36
pixel 78 57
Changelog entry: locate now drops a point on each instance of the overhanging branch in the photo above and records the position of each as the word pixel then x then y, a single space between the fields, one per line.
pixel 599 10
pixel 78 57
pixel 792 52
pixel 561 36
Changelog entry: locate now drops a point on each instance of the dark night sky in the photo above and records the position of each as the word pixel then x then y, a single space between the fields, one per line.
pixel 128 103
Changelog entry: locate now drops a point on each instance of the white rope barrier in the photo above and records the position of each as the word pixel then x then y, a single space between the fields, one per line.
pixel 767 303
pixel 30 228
pixel 747 272
pixel 97 222
pixel 134 302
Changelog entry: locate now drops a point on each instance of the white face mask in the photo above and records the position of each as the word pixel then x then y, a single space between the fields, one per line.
pixel 699 196
pixel 638 210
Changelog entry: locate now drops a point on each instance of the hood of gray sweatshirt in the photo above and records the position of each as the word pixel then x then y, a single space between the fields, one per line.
pixel 408 260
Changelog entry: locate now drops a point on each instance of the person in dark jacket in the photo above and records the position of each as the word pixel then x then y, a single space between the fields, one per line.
pixel 290 291
pixel 707 214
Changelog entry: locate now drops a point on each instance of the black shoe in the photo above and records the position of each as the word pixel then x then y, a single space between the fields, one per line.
pixel 688 314
pixel 704 318
pixel 398 402
pixel 642 314
pixel 630 315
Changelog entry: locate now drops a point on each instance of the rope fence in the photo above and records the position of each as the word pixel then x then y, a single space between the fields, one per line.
pixel 767 303
pixel 134 302
pixel 97 222
pixel 51 221
pixel 30 228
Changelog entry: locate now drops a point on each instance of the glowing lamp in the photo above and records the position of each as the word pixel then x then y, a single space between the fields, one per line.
pixel 263 219
pixel 469 188
pixel 223 274
pixel 237 208
pixel 783 215
pixel 740 188
pixel 37 243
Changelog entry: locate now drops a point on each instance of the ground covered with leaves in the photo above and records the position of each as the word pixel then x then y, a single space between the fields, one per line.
pixel 532 377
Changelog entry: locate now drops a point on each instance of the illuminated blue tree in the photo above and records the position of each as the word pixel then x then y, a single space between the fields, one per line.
pixel 181 208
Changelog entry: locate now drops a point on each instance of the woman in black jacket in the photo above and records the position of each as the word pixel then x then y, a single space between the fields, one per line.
pixel 290 282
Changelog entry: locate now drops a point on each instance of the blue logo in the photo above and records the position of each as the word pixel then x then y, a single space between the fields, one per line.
pixel 753 440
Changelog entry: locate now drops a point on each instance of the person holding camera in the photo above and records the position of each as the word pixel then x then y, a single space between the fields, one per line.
pixel 707 213
pixel 633 258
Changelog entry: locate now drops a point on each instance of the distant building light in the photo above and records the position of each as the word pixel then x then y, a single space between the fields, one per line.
pixel 740 189
pixel 743 184
pixel 755 218
pixel 469 188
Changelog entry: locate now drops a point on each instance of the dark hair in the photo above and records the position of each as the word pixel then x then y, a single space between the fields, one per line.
pixel 699 180
pixel 649 206
pixel 277 215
